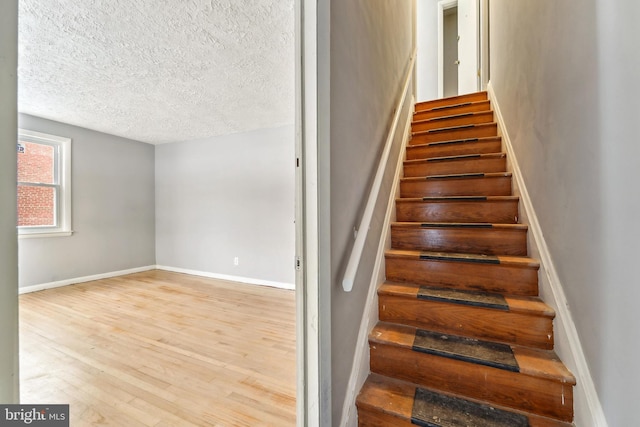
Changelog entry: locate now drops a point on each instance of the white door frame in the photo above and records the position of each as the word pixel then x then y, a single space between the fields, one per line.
pixel 483 29
pixel 442 6
pixel 313 293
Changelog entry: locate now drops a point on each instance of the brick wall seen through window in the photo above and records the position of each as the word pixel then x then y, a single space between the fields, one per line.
pixel 36 204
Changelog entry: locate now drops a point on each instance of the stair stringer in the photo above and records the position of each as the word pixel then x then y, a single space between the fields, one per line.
pixel 360 368
pixel 587 407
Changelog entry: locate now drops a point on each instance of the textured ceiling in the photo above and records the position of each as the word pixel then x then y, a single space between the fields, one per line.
pixel 158 70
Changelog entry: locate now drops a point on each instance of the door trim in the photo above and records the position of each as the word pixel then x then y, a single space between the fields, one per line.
pixel 442 6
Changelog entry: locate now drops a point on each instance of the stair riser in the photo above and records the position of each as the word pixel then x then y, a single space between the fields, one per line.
pixel 489 186
pixel 460 120
pixel 491 241
pixel 471 97
pixel 498 212
pixel 496 278
pixel 477 131
pixel 479 165
pixel 459 149
pixel 370 418
pixel 514 390
pixel 469 321
pixel 461 109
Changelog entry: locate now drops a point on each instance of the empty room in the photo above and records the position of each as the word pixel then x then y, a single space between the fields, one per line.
pixel 156 187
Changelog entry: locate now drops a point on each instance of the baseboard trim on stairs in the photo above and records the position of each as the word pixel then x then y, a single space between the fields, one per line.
pixel 588 410
pixel 230 278
pixel 360 367
pixel 76 280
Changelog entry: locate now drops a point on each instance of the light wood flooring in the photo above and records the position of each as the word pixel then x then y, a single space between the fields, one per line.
pixel 161 349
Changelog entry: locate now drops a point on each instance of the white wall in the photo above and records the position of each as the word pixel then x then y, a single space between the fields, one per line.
pixel 225 197
pixel 112 209
pixel 566 76
pixel 427 60
pixel 8 239
pixel 371 43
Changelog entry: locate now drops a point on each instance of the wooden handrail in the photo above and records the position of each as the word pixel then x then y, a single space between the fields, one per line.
pixel 365 222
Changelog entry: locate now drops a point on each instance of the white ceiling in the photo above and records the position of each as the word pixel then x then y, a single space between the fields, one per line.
pixel 158 70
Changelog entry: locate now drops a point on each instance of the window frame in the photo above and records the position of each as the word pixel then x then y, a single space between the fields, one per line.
pixel 63 187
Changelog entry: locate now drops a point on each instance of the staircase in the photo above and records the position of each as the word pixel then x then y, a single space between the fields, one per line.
pixel 463 339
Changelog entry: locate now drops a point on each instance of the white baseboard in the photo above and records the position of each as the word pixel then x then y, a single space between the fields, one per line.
pixel 360 367
pixel 67 282
pixel 587 407
pixel 229 278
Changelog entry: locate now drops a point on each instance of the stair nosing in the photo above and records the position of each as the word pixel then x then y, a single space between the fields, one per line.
pixel 457 198
pixel 517 349
pixel 452 116
pixel 406 390
pixel 426 224
pixel 391 289
pixel 461 157
pixel 455 141
pixel 453 128
pixel 502 260
pixel 451 98
pixel 469 175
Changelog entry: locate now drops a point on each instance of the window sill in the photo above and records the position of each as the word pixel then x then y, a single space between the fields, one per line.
pixel 34 235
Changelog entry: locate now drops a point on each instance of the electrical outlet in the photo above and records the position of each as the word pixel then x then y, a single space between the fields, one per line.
pixel 236 261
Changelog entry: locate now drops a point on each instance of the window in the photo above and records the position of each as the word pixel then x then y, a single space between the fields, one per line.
pixel 44 184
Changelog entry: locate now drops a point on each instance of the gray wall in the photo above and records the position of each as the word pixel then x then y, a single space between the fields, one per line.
pixel 371 42
pixel 112 208
pixel 566 76
pixel 225 197
pixel 8 239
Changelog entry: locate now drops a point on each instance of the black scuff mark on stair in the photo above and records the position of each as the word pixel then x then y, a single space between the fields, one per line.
pixel 456 176
pixel 431 409
pixel 473 258
pixel 494 355
pixel 450 158
pixel 449 129
pixel 456 225
pixel 444 107
pixel 455 199
pixel 454 116
pixel 468 298
pixel 455 141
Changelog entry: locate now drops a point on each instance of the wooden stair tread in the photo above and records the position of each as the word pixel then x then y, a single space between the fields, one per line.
pixel 492 316
pixel 465 107
pixel 519 261
pixel 454 147
pixel 458 225
pixel 531 362
pixel 481 130
pixel 493 209
pixel 453 100
pixel 453 128
pixel 478 238
pixel 395 399
pixel 464 163
pixel 452 116
pixel 458 199
pixel 453 158
pixel 461 119
pixel 466 184
pixel 455 141
pixel 514 303
pixel 453 176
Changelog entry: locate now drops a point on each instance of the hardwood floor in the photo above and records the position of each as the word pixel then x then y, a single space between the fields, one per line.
pixel 161 349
